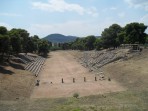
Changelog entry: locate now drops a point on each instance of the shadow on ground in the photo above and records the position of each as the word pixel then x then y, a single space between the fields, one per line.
pixel 16 66
pixel 5 71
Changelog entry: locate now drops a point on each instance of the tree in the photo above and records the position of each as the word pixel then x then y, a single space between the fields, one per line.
pixel 78 44
pixel 121 37
pixel 43 47
pixel 66 46
pixel 3 30
pixel 110 35
pixel 4 45
pixel 15 41
pixel 146 39
pixel 89 42
pixel 4 42
pixel 98 44
pixel 33 43
pixel 24 37
pixel 86 43
pixel 134 33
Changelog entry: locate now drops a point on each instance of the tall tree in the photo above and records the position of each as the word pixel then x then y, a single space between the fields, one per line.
pixel 34 40
pixel 89 42
pixel 98 44
pixel 110 35
pixel 3 30
pixel 4 45
pixel 43 47
pixel 4 42
pixel 15 41
pixel 135 33
pixel 24 37
pixel 78 44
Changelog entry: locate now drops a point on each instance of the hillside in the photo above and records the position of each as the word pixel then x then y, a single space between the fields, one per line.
pixel 59 38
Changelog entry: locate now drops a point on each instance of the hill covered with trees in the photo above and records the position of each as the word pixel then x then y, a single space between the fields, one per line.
pixel 59 38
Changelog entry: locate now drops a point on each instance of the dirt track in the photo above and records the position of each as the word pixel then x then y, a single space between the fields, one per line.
pixel 61 64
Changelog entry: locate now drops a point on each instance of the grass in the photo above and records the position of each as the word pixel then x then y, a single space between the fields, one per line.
pixel 119 101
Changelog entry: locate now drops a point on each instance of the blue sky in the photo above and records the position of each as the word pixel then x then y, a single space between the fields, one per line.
pixel 71 17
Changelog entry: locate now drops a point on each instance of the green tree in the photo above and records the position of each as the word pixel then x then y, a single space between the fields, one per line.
pixel 4 42
pixel 15 41
pixel 121 37
pixel 78 44
pixel 110 36
pixel 66 46
pixel 3 30
pixel 4 45
pixel 147 38
pixel 43 47
pixel 33 43
pixel 98 44
pixel 135 33
pixel 89 42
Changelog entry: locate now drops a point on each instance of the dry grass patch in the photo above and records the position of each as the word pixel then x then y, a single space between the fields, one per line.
pixel 15 83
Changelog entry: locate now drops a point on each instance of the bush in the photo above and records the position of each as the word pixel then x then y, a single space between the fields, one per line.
pixel 76 95
pixel 55 48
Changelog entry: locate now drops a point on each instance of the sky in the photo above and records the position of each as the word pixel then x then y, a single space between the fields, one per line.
pixel 71 17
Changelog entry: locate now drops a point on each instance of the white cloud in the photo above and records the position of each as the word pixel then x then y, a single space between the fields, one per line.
pixel 92 11
pixel 113 8
pixel 138 3
pixel 76 28
pixel 144 20
pixel 10 14
pixel 109 9
pixel 121 15
pixel 62 6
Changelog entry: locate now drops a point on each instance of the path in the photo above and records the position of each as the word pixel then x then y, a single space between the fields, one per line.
pixel 62 64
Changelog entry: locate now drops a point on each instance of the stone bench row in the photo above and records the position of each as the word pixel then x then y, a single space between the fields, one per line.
pixel 26 58
pixel 98 60
pixel 35 66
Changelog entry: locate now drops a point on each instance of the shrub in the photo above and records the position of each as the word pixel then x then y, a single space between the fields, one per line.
pixel 55 48
pixel 76 95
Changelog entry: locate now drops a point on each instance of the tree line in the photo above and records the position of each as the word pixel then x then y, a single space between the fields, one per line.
pixel 18 41
pixel 111 37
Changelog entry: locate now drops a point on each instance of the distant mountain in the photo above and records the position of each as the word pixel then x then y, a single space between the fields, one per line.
pixel 59 38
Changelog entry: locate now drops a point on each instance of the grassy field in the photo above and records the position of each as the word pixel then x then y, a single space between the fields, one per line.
pixel 123 101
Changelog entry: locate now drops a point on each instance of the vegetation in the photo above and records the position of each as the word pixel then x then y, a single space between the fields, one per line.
pixel 54 48
pixel 75 95
pixel 113 37
pixel 18 40
pixel 110 36
pixel 59 38
pixel 123 101
pixel 86 43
